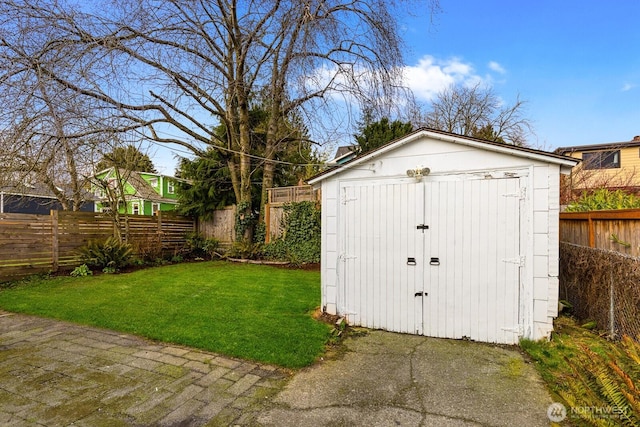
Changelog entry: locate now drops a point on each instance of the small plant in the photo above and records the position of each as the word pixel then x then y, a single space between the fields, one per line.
pixel 147 249
pixel 109 270
pixel 245 250
pixel 197 246
pixel 111 253
pixel 177 258
pixel 210 247
pixel 81 271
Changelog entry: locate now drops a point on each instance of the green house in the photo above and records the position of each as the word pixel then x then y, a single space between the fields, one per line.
pixel 145 193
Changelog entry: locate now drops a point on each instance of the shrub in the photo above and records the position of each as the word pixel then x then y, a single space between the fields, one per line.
pixel 604 199
pixel 81 271
pixel 245 250
pixel 147 249
pixel 109 254
pixel 196 245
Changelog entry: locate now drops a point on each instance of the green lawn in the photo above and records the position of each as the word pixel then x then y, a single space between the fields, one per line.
pixel 254 312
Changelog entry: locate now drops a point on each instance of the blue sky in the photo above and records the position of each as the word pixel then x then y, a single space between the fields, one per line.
pixel 576 63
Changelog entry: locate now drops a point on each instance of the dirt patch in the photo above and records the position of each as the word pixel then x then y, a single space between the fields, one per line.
pixel 325 317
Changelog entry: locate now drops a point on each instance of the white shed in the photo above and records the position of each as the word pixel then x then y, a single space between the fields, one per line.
pixel 442 235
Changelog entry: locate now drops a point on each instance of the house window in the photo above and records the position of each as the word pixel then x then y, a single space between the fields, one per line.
pixel 135 207
pixel 154 182
pixel 155 207
pixel 170 188
pixel 601 159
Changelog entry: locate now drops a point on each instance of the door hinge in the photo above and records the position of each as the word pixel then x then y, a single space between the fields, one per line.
pixel 520 194
pixel 519 261
pixel 344 257
pixel 344 200
pixel 519 329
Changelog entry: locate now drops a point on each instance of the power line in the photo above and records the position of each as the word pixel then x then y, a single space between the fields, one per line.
pixel 237 152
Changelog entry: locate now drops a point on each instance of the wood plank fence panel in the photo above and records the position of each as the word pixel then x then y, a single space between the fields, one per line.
pixel 31 244
pixel 616 230
pixel 220 227
pixel 25 244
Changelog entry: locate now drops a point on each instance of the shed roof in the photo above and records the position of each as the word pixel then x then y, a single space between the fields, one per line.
pixel 565 162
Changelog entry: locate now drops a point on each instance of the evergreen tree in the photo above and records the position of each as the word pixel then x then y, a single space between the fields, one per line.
pixel 375 134
pixel 128 158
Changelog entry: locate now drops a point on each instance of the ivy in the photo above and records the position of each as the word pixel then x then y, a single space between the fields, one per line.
pixel 300 242
pixel 244 219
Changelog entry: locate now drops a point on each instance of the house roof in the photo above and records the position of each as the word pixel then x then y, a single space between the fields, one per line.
pixel 635 142
pixel 38 190
pixel 565 162
pixel 144 190
pixel 344 154
pixel 28 190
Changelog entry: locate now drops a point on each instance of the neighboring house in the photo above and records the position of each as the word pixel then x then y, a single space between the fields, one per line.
pixel 34 199
pixel 344 154
pixel 443 235
pixel 145 193
pixel 614 165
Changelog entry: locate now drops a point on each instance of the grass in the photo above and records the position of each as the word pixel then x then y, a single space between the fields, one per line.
pixel 589 374
pixel 253 312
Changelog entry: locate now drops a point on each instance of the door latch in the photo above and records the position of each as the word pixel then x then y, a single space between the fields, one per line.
pixel 422 227
pixel 421 294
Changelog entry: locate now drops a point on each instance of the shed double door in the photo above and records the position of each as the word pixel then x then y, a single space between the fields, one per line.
pixel 438 258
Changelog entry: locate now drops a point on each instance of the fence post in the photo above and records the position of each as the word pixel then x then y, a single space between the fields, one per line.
pixel 592 233
pixel 159 214
pixel 612 314
pixel 55 247
pixel 267 223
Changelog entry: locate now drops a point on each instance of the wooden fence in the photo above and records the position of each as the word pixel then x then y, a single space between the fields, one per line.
pixel 615 230
pixel 31 244
pixel 221 226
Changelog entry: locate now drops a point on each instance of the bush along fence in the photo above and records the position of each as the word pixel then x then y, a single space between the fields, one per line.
pixel 32 244
pixel 603 287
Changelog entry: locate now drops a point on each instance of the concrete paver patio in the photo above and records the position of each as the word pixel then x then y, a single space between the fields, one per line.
pixel 59 374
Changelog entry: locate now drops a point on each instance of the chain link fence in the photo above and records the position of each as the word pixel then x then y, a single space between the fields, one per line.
pixel 603 286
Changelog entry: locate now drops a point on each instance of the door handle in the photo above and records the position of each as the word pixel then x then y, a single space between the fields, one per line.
pixel 411 261
pixel 435 261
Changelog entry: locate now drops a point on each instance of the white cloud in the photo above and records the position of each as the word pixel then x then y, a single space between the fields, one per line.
pixel 431 75
pixel 493 65
pixel 627 87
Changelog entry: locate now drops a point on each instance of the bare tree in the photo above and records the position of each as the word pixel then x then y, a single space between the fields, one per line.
pixel 173 70
pixel 40 142
pixel 477 111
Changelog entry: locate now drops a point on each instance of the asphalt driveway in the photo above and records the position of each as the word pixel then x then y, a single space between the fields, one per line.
pixel 58 374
